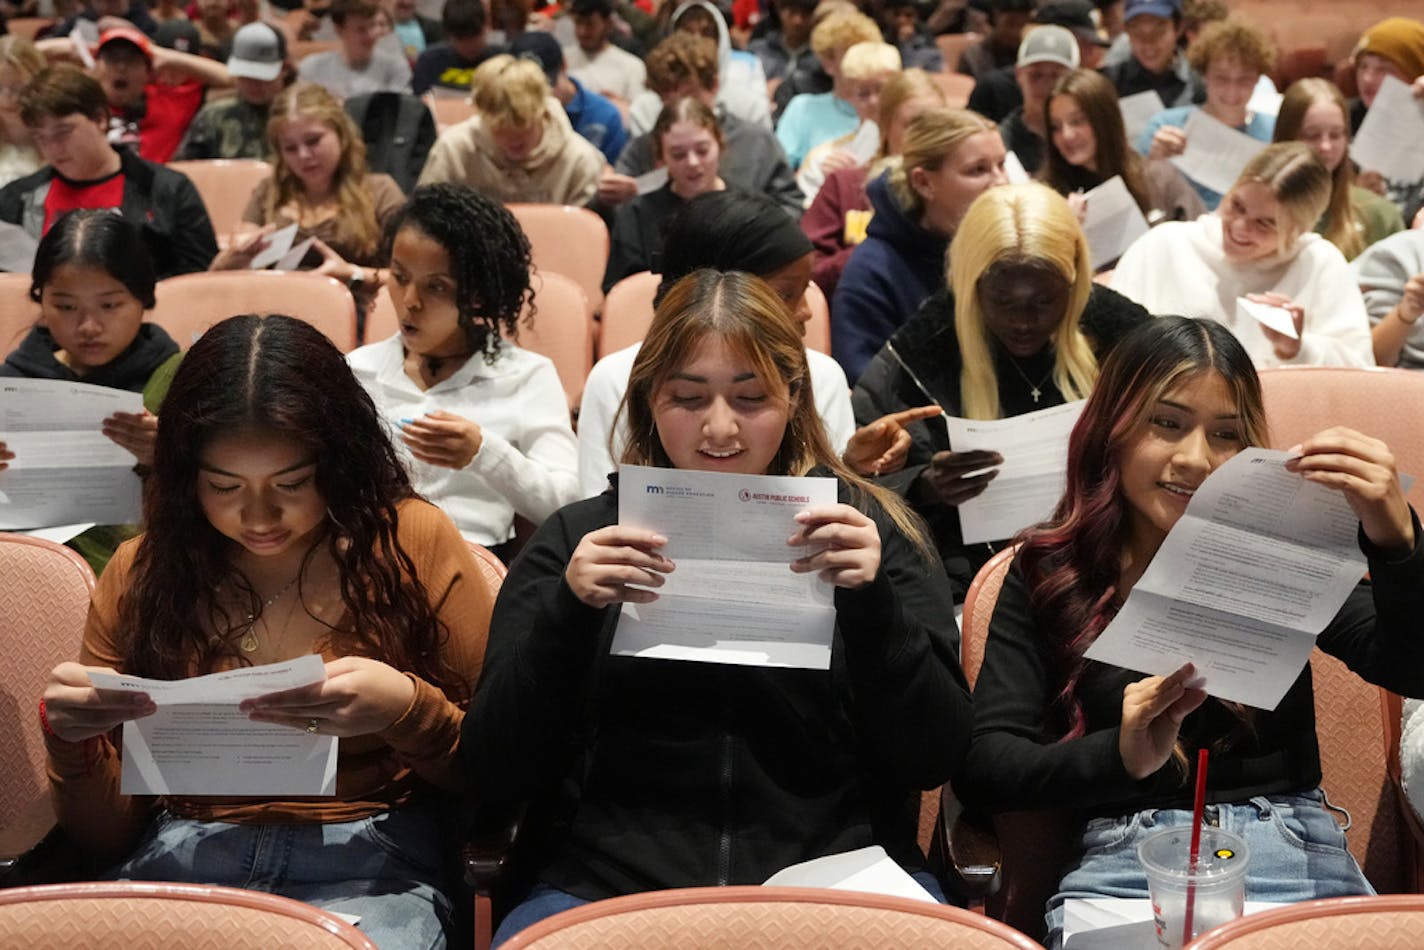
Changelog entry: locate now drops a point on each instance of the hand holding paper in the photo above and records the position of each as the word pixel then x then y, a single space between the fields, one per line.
pixel 1362 469
pixel 1152 714
pixel 76 710
pixel 359 696
pixel 956 477
pixel 612 566
pixel 845 546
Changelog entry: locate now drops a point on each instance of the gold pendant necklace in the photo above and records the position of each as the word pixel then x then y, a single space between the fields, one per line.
pixel 249 642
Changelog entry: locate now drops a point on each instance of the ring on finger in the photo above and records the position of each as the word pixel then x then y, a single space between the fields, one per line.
pixel 311 726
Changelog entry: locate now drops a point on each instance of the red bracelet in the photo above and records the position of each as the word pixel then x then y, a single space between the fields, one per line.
pixel 44 723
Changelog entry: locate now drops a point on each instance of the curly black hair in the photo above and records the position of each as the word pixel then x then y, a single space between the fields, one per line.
pixel 489 258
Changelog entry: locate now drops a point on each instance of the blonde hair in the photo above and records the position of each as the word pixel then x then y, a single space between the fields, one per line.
pixel 753 322
pixel 864 60
pixel 1300 184
pixel 22 54
pixel 1232 38
pixel 356 213
pixel 1341 225
pixel 930 139
pixel 1019 224
pixel 902 87
pixel 838 32
pixel 510 92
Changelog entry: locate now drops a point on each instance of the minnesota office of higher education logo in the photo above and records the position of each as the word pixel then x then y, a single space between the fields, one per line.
pixel 655 489
pixel 744 495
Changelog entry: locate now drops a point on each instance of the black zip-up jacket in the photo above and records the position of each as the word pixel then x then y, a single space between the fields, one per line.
pixel 163 203
pixel 690 774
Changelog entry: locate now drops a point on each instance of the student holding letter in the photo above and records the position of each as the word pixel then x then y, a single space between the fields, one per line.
pixel 93 279
pixel 691 774
pixel 1087 145
pixel 280 523
pixel 485 421
pixel 1020 328
pixel 1259 245
pixel 1174 401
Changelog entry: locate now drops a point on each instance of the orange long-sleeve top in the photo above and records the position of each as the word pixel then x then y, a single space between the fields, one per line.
pixel 374 772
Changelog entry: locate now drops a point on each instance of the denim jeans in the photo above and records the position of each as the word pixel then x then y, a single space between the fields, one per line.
pixel 545 901
pixel 1297 852
pixel 385 869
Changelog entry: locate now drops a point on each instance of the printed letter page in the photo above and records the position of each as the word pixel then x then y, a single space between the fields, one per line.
pixel 198 743
pixel 733 597
pixel 65 469
pixel 1256 567
pixel 1029 483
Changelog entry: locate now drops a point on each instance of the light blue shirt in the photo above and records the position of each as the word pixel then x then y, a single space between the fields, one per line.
pixel 1258 125
pixel 813 118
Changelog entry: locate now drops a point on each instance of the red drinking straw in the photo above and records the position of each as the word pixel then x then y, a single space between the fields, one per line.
pixel 1198 807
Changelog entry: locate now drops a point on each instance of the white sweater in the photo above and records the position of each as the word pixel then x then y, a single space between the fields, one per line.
pixel 528 458
pixel 603 394
pixel 1180 268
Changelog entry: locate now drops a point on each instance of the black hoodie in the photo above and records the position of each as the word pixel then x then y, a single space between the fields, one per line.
pixel 130 370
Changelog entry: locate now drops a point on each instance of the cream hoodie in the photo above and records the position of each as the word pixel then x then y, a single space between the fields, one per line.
pixel 562 169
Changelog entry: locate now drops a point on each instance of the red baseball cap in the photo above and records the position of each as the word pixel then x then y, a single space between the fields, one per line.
pixel 126 34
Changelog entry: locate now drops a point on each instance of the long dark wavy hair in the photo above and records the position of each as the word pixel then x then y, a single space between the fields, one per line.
pixel 1071 562
pixel 280 375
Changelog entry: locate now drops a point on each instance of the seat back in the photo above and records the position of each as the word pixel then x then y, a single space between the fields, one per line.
pixel 225 185
pixel 99 916
pixel 1351 719
pixel 722 918
pixel 562 330
pixel 18 312
pixel 492 569
pixel 1033 845
pixel 628 312
pixel 1302 400
pixel 44 599
pixel 1395 922
pixel 1350 727
pixel 956 88
pixel 450 110
pixel 191 303
pixel 29 27
pixel 569 241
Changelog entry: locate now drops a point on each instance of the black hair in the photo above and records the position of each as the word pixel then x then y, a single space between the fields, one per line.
pixel 1010 6
pixel 729 231
pixel 463 18
pixel 96 237
pixel 489 258
pixel 806 6
pixel 603 8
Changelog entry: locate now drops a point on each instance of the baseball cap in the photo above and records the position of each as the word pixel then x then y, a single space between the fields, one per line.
pixel 1166 9
pixel 258 52
pixel 180 35
pixel 126 34
pixel 543 49
pixel 1048 44
pixel 1074 15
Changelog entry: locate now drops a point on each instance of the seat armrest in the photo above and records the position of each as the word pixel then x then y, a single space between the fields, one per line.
pixel 971 856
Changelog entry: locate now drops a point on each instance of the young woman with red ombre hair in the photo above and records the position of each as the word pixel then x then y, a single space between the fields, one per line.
pixel 1175 399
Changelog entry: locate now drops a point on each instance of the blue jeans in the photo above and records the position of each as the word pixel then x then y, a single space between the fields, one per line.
pixel 1297 852
pixel 385 869
pixel 545 901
